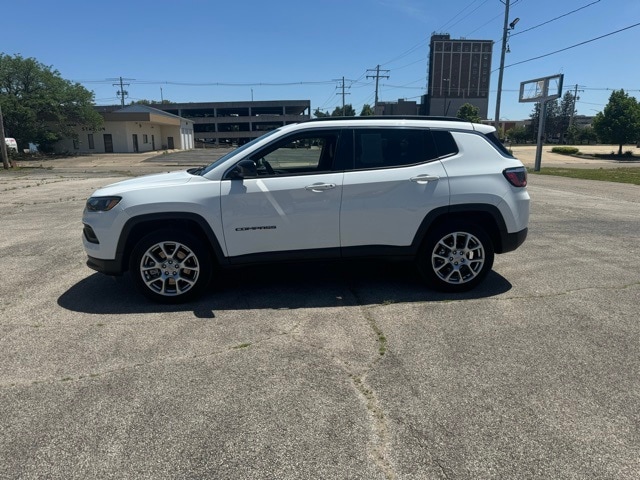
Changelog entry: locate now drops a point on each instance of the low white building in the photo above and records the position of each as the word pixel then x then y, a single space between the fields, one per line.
pixel 132 129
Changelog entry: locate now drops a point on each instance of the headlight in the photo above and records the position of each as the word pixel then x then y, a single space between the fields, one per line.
pixel 102 204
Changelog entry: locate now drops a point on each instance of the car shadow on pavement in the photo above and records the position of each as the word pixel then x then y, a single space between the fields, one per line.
pixel 289 286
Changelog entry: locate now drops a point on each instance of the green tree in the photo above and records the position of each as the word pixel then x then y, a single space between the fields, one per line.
pixel 567 110
pixel 518 134
pixel 587 134
pixel 552 122
pixel 348 111
pixel 320 114
pixel 367 111
pixel 39 106
pixel 619 122
pixel 572 135
pixel 469 113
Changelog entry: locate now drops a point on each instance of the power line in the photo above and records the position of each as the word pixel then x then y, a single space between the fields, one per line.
pixel 426 42
pixel 485 24
pixel 326 102
pixel 554 19
pixel 468 14
pixel 407 52
pixel 572 46
pixel 460 13
pixel 210 84
pixel 412 63
pixel 491 20
pixel 403 86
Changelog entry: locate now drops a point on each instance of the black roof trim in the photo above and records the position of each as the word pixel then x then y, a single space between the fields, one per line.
pixel 389 117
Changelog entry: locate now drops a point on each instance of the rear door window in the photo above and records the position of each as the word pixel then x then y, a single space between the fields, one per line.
pixel 392 147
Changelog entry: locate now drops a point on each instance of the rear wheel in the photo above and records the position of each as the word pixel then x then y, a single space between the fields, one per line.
pixel 170 267
pixel 456 257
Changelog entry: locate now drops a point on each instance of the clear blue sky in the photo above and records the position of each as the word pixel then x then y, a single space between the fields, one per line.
pixel 190 48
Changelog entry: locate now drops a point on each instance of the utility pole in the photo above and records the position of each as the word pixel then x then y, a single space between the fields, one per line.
pixel 377 76
pixel 3 144
pixel 573 110
pixel 505 33
pixel 343 94
pixel 122 92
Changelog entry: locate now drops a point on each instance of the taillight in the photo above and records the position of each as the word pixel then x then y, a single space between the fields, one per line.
pixel 516 176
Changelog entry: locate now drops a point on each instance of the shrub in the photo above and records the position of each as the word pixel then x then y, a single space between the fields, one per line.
pixel 565 150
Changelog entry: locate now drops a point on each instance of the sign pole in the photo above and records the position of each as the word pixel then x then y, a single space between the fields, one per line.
pixel 3 144
pixel 543 113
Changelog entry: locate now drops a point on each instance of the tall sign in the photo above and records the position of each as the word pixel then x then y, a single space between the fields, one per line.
pixel 541 90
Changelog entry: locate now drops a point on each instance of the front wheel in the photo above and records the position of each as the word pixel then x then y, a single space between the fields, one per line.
pixel 170 267
pixel 456 257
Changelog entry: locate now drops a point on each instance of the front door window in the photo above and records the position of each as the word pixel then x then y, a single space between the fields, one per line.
pixel 292 204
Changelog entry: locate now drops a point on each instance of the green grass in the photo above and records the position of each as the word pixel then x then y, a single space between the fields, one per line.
pixel 620 175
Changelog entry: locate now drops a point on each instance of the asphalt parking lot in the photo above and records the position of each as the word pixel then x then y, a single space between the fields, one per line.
pixel 321 371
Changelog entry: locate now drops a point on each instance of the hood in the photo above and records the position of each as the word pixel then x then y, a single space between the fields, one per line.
pixel 147 181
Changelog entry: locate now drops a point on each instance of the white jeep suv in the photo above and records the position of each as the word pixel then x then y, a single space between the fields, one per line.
pixel 442 192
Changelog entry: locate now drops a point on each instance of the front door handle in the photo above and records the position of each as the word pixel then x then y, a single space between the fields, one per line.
pixel 424 179
pixel 320 187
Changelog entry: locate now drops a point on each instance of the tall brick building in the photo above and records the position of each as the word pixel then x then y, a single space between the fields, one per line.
pixel 459 73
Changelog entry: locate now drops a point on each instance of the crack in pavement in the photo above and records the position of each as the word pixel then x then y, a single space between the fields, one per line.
pixel 381 443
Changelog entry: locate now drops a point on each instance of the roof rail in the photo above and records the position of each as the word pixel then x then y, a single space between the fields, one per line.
pixel 389 117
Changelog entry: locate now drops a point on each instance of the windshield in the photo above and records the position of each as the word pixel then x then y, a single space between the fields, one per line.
pixel 204 170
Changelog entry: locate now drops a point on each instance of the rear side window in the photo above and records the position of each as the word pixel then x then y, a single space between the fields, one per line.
pixel 445 143
pixel 392 147
pixel 495 141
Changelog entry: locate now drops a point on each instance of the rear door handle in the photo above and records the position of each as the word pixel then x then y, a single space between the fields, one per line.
pixel 423 179
pixel 320 187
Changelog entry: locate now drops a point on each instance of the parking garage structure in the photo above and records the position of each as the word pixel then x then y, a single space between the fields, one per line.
pixel 236 123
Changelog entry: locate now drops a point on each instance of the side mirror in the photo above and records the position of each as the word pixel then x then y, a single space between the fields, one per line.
pixel 244 169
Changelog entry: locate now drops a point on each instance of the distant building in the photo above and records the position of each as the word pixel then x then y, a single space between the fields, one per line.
pixel 582 121
pixel 506 125
pixel 229 123
pixel 459 73
pixel 399 108
pixel 132 129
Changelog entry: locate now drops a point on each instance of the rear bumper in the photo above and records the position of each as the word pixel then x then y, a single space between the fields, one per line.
pixel 511 241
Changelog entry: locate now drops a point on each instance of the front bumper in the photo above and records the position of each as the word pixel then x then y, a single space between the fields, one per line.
pixel 108 267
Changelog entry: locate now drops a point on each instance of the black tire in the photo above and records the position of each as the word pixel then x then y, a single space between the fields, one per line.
pixel 168 266
pixel 456 257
